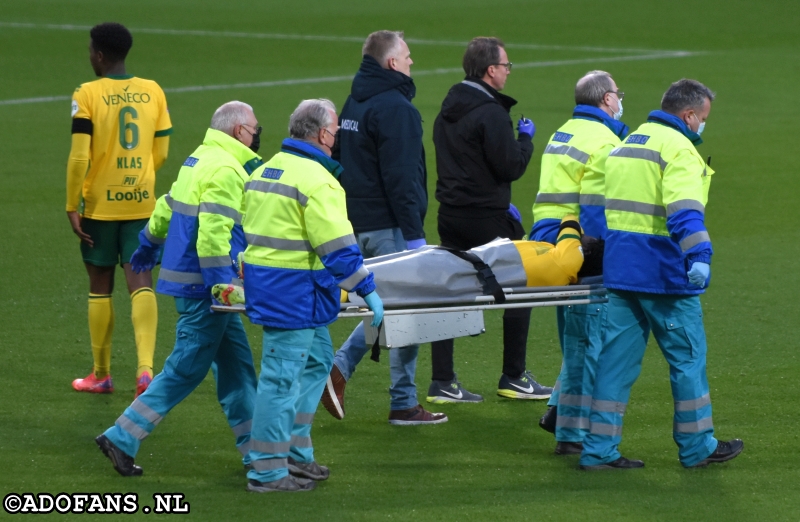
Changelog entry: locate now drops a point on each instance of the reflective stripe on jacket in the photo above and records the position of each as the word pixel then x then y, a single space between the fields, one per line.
pixel 300 246
pixel 573 173
pixel 201 218
pixel 656 191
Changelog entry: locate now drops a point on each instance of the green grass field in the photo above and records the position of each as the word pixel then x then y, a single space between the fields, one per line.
pixel 490 461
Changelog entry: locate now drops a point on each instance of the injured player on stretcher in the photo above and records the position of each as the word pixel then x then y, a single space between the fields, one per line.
pixel 434 273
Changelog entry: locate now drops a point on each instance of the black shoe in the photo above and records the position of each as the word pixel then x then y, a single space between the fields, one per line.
pixel 725 451
pixel 620 463
pixel 309 470
pixel 568 448
pixel 123 462
pixel 286 484
pixel 548 420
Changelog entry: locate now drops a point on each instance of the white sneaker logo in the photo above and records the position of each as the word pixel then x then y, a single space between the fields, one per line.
pixel 453 395
pixel 529 389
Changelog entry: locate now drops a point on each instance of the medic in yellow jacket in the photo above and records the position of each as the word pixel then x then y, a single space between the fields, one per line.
pixel 656 191
pixel 573 173
pixel 300 245
pixel 200 218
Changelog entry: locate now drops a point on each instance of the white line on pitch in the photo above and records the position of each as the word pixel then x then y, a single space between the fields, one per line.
pixel 349 77
pixel 321 38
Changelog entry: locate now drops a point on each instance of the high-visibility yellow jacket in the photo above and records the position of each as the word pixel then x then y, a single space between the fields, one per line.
pixel 656 192
pixel 300 246
pixel 200 218
pixel 573 173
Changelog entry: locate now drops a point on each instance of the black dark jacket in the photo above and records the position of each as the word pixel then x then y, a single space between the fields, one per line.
pixel 477 155
pixel 380 148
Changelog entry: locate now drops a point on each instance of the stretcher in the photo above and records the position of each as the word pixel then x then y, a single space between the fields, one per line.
pixel 435 319
pixel 449 318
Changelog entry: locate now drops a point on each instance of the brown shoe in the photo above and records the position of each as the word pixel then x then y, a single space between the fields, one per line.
pixel 414 416
pixel 333 394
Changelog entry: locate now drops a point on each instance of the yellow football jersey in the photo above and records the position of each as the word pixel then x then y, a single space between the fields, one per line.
pixel 123 115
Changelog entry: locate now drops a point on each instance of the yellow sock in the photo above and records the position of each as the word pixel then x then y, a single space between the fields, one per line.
pixel 144 314
pixel 101 326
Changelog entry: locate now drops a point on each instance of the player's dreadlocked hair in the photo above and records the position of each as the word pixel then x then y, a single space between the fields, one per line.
pixel 112 39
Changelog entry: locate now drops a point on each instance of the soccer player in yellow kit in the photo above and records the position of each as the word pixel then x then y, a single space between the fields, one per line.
pixel 120 137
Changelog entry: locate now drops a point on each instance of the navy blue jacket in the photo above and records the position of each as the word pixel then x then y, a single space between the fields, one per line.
pixel 380 148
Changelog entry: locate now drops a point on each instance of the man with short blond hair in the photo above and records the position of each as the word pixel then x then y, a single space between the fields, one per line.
pixel 380 148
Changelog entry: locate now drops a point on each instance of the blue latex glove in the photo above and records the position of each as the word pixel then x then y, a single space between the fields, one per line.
pixel 514 213
pixel 145 258
pixel 699 273
pixel 526 126
pixel 376 305
pixel 416 243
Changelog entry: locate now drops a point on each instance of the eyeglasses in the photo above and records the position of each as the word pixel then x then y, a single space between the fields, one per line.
pixel 619 94
pixel 329 132
pixel 257 129
pixel 507 65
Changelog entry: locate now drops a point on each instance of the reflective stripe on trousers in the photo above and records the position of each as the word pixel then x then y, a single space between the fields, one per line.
pixel 677 325
pixel 583 340
pixel 294 368
pixel 203 341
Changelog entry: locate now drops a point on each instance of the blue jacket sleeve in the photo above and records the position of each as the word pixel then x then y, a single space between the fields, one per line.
pixel 346 265
pixel 687 228
pixel 545 230
pixel 593 221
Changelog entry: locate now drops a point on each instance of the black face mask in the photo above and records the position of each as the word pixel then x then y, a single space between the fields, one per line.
pixel 256 143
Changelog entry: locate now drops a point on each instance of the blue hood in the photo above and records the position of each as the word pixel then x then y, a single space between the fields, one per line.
pixel 670 120
pixel 587 112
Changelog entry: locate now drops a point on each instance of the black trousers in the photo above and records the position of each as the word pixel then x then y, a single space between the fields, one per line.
pixel 463 233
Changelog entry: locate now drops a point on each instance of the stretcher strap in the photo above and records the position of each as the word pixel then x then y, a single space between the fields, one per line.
pixel 376 346
pixel 484 273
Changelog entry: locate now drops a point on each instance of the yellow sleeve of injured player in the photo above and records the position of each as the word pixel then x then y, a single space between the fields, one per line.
pixel 160 151
pixel 77 165
pixel 552 265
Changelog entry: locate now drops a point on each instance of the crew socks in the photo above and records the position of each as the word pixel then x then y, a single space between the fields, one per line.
pixel 101 326
pixel 144 315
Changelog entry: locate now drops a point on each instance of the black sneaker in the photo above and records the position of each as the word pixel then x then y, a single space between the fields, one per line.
pixel 441 392
pixel 725 451
pixel 523 387
pixel 548 420
pixel 568 448
pixel 620 463
pixel 122 462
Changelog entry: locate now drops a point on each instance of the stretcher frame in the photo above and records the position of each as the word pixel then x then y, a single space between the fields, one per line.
pixel 428 321
pixel 448 318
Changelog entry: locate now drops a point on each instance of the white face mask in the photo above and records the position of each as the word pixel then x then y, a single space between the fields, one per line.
pixel 702 125
pixel 618 115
